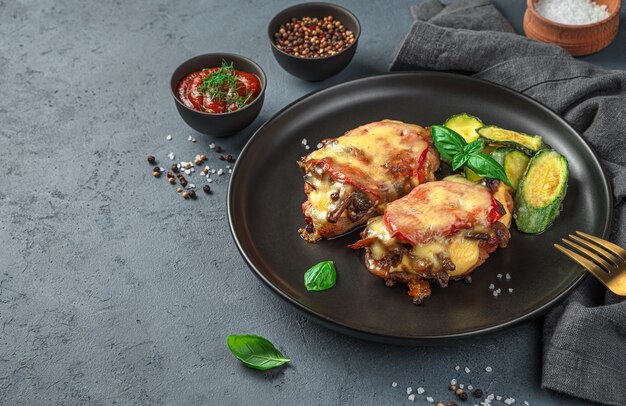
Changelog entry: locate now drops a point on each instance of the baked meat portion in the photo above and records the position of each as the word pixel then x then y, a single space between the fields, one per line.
pixel 352 178
pixel 440 231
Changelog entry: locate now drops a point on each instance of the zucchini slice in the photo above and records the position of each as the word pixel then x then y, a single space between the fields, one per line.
pixel 514 163
pixel 465 125
pixel 508 138
pixel 541 192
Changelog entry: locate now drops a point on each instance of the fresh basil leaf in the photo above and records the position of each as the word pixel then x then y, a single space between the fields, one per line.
pixel 255 352
pixel 321 276
pixel 447 141
pixel 473 147
pixel 459 160
pixel 486 167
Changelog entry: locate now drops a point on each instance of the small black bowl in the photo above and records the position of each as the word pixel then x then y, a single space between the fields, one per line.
pixel 314 69
pixel 224 124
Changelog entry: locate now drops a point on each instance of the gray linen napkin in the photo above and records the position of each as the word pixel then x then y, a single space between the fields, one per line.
pixel 584 340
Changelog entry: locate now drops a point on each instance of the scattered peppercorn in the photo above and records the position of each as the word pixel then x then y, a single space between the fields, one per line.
pixel 157 169
pixel 187 165
pixel 206 188
pixel 171 180
pixel 185 195
pixel 453 403
pixel 179 190
pixel 218 148
pixel 313 37
pixel 170 174
pixel 452 387
pixel 463 396
pixel 459 391
pixel 151 159
pixel 175 168
pixel 156 174
pixel 182 179
pixel 194 139
pixel 478 393
pixel 203 157
pixel 229 158
pixel 198 161
pixel 192 194
pixel 416 301
pixel 440 404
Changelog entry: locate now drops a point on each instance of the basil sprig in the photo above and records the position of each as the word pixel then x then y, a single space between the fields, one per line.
pixel 321 276
pixel 255 352
pixel 453 148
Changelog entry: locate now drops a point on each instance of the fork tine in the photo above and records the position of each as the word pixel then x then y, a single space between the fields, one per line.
pixel 599 260
pixel 585 263
pixel 615 249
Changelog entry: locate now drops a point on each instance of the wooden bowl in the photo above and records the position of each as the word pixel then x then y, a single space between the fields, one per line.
pixel 576 39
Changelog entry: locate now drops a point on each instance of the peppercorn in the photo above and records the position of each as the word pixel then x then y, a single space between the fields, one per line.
pixel 187 165
pixel 194 139
pixel 170 174
pixel 182 179
pixel 203 157
pixel 206 188
pixel 229 158
pixel 179 190
pixel 156 174
pixel 313 37
pixel 459 391
pixel 452 403
pixel 222 158
pixel 452 387
pixel 198 161
pixel 416 301
pixel 185 195
pixel 192 194
pixel 175 168
pixel 151 159
pixel 478 393
pixel 440 404
pixel 463 396
pixel 157 169
pixel 218 148
pixel 171 180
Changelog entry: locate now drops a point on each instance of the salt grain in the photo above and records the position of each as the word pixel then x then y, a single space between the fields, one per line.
pixel 572 12
pixel 169 138
pixel 212 145
pixel 510 290
pixel 470 387
pixel 453 382
pixel 457 367
pixel 498 398
pixel 508 276
pixel 409 390
pixel 304 141
pixel 220 172
pixel 499 276
pixel 420 390
pixel 187 172
pixel 492 286
pixel 526 403
pixel 461 386
pixel 306 147
pixel 394 384
pixel 189 139
pixel 209 180
pixel 430 399
pixel 488 369
pixel 319 145
pixel 467 370
pixel 509 401
pixel 412 398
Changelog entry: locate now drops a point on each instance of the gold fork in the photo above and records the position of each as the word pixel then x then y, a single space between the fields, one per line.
pixel 607 262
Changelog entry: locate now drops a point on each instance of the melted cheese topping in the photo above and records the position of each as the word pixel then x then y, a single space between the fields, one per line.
pixel 439 209
pixel 463 252
pixel 380 158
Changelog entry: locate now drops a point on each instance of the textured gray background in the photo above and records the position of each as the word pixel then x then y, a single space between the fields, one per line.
pixel 113 290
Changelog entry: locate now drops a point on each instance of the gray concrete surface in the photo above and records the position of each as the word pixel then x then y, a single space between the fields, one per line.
pixel 113 290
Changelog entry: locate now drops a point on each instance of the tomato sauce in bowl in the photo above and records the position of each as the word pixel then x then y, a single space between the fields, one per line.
pixel 218 90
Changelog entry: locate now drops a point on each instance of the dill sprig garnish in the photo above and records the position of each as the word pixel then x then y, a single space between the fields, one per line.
pixel 221 85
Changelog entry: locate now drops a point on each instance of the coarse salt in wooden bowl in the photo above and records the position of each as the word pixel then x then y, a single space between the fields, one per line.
pixel 576 39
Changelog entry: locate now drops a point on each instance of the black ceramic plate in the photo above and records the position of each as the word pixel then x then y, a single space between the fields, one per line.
pixel 266 191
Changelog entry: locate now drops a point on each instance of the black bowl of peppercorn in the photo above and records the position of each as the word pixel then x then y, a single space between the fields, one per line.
pixel 218 94
pixel 314 41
